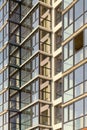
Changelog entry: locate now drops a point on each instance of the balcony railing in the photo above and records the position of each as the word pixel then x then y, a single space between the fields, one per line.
pixel 58 67
pixel 58 93
pixel 45 95
pixel 46 47
pixel 58 118
pixel 44 120
pixel 46 71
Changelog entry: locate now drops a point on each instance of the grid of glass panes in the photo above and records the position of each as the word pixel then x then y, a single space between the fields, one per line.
pixel 71 22
pixel 75 115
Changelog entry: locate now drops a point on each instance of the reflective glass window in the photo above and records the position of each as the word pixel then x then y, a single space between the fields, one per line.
pixel 67 2
pixel 68 126
pixel 65 114
pixel 78 108
pixel 68 95
pixel 78 8
pixel 65 20
pixel 85 105
pixel 78 23
pixel 70 15
pixel 78 75
pixel 65 83
pixel 70 112
pixel 79 124
pixel 85 71
pixel 79 90
pixel 85 5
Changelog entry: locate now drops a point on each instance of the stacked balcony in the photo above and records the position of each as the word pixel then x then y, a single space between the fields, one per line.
pixel 30 65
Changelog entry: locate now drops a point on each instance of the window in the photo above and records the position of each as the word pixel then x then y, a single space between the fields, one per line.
pixel 70 15
pixel 68 95
pixel 75 81
pixel 79 90
pixel 1 60
pixel 68 50
pixel 29 117
pixel 6 56
pixel 71 80
pixel 72 23
pixel 78 8
pixel 35 63
pixel 35 89
pixel 34 2
pixel 5 74
pixel 1 39
pixel 79 75
pixel 85 121
pixel 79 124
pixel 85 105
pixel 67 2
pixel 68 64
pixel 85 38
pixel 6 33
pixel 68 31
pixel 68 18
pixel 78 23
pixel 65 52
pixel 30 46
pixel 1 121
pixel 68 113
pixel 35 42
pixel 6 11
pixel 68 81
pixel 5 100
pixel 68 126
pixel 76 45
pixel 35 20
pixel 78 112
pixel 85 71
pixel 65 20
pixel 65 82
pixel 1 15
pixel 29 70
pixel 14 122
pixel 1 2
pixel 1 80
pixel 65 114
pixel 85 5
pixel 6 78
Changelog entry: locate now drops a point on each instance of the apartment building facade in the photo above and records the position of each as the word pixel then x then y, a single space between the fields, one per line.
pixel 74 65
pixel 43 67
